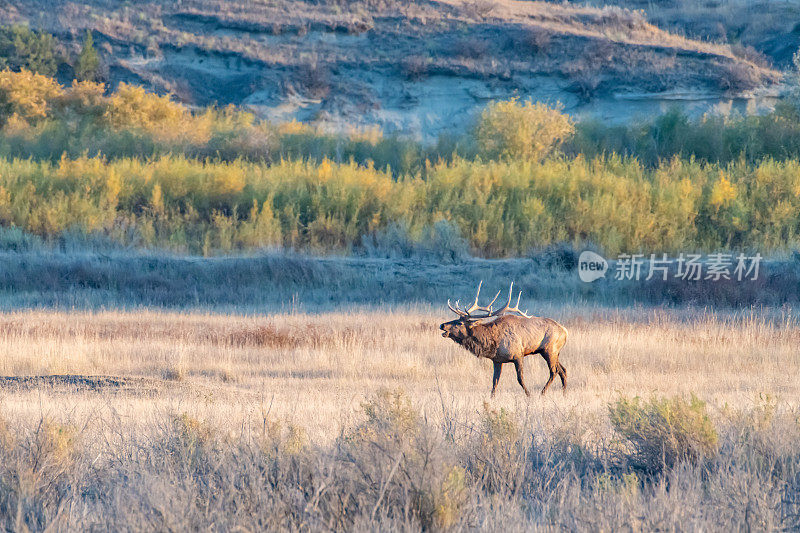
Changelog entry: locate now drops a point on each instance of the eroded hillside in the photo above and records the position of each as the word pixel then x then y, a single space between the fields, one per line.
pixel 419 67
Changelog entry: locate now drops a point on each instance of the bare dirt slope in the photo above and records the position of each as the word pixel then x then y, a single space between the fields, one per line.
pixel 754 27
pixel 419 67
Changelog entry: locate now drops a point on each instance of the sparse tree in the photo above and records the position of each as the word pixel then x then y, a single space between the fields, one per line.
pixel 794 91
pixel 88 62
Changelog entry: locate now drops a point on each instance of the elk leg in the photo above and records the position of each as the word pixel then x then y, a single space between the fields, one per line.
pixel 551 367
pixel 549 381
pixel 498 367
pixel 520 377
pixel 562 373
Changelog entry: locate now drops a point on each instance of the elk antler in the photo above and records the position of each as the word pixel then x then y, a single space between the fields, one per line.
pixel 467 313
pixel 506 309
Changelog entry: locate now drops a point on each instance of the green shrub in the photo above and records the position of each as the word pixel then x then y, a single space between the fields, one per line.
pixel 492 209
pixel 662 432
pixel 26 97
pixel 399 465
pixel 22 48
pixel 285 440
pixel 240 184
pixel 46 120
pixel 39 471
pixel 711 138
pixel 190 442
pixel 16 240
pixel 393 241
pixel 496 455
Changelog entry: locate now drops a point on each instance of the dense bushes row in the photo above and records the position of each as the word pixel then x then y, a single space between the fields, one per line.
pixel 219 180
pixel 44 120
pixel 663 468
pixel 23 48
pixel 41 119
pixel 499 208
pixel 712 138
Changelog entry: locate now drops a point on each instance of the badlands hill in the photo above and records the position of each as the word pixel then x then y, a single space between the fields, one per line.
pixel 420 67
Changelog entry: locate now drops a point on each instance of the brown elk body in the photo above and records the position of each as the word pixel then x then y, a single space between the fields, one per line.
pixel 504 337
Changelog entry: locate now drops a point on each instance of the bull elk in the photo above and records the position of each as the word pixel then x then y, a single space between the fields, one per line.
pixel 507 336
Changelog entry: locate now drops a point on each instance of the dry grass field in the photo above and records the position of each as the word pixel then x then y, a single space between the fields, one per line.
pixel 316 370
pixel 155 420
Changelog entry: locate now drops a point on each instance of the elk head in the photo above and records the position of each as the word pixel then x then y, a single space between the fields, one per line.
pixel 461 328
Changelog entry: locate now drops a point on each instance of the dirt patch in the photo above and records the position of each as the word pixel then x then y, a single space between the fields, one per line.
pixel 82 383
pixel 203 333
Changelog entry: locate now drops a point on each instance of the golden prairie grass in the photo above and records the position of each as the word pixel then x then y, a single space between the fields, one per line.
pixel 370 420
pixel 314 371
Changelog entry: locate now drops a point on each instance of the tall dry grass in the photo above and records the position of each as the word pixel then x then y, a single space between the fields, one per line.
pixel 371 420
pixel 315 369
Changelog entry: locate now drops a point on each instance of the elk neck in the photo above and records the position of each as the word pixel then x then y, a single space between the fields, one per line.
pixel 480 340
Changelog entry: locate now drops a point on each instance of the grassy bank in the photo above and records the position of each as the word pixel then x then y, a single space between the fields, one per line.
pixel 78 277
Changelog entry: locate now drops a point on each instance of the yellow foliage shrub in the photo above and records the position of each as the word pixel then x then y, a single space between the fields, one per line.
pixel 510 129
pixel 27 94
pixel 131 104
pixel 722 193
pixel 500 208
